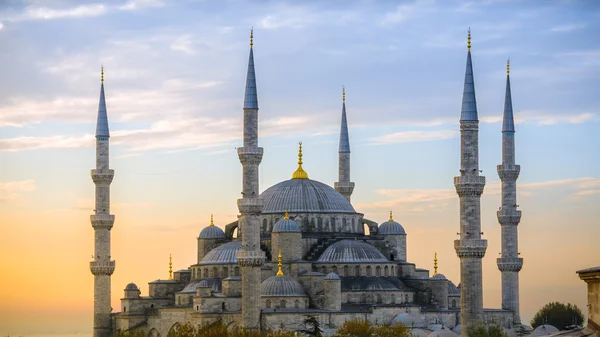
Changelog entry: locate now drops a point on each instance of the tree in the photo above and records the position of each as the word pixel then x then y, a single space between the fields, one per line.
pixel 361 328
pixel 313 327
pixel 558 315
pixel 492 330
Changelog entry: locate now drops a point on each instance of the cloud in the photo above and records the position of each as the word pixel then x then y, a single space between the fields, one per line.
pixel 413 136
pixel 133 5
pixel 1 25
pixel 12 189
pixel 52 142
pixel 405 12
pixel 544 118
pixel 45 13
pixel 184 44
pixel 567 28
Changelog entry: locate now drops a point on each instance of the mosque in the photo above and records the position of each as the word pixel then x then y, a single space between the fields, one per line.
pixel 301 249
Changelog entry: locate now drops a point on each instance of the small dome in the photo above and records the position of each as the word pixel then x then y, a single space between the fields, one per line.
pixel 224 254
pixel 435 327
pixel 212 232
pixel 438 277
pixel 213 283
pixel 286 226
pixel 203 284
pixel 544 330
pixel 279 286
pixel 332 276
pixel 132 286
pixel 406 319
pixel 418 333
pixel 457 329
pixel 443 332
pixel 453 290
pixel 352 251
pixel 390 228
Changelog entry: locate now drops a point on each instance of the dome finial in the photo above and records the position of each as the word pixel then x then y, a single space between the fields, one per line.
pixel 435 263
pixel 102 74
pixel 469 40
pixel 170 267
pixel 279 272
pixel 343 94
pixel 300 173
pixel 251 36
pixel 286 216
pixel 391 218
pixel 211 220
pixel 508 66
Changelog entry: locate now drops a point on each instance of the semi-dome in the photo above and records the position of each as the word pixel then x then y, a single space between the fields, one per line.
pixel 224 254
pixel 131 286
pixel 544 330
pixel 213 283
pixel 286 225
pixel 304 196
pixel 452 289
pixel 280 286
pixel 351 251
pixel 418 333
pixel 443 332
pixel 332 276
pixel 405 318
pixel 391 227
pixel 438 277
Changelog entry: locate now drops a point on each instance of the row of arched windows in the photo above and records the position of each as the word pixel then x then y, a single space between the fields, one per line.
pixel 283 303
pixel 358 271
pixel 378 298
pixel 215 272
pixel 320 224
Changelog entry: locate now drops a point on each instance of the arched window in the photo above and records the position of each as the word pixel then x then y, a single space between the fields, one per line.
pixel 205 272
pixel 378 271
pixel 344 228
pixel 197 308
pixel 454 303
pixel 124 309
pixel 296 304
pixel 335 269
pixel 193 273
pixel 346 271
pixel 215 272
pixel 333 224
pixel 236 271
pixel 282 304
pixel 323 269
pixel 370 298
pixel 354 225
pixel 268 303
pixel 264 226
pixel 320 223
pixel 368 270
pixel 393 298
pixel 406 298
pixel 222 306
pixel 357 271
pixel 379 300
pixel 386 271
pixel 151 306
pixel 392 270
pixel 363 298
pixel 179 300
pixel 225 272
pixel 348 298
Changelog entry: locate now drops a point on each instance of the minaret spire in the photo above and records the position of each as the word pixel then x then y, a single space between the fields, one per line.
pixel 470 248
pixel 509 217
pixel 300 173
pixel 250 205
pixel 435 266
pixel 170 267
pixel 343 185
pixel 279 264
pixel 102 221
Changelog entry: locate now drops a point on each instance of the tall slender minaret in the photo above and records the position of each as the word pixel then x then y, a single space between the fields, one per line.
pixel 251 257
pixel 508 216
pixel 344 185
pixel 102 267
pixel 470 248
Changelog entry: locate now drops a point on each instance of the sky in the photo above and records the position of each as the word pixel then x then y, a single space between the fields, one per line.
pixel 174 80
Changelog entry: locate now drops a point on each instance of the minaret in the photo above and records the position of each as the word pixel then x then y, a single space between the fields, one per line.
pixel 435 264
pixel 344 185
pixel 251 257
pixel 508 216
pixel 102 221
pixel 470 248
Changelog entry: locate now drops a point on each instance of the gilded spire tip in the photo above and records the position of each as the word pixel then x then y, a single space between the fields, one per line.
pixel 251 37
pixel 170 267
pixel 211 220
pixel 391 218
pixel 508 66
pixel 469 39
pixel 300 173
pixel 343 94
pixel 102 74
pixel 435 265
pixel 286 216
pixel 279 264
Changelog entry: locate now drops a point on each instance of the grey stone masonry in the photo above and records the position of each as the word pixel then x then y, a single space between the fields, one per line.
pixel 102 221
pixel 344 186
pixel 470 248
pixel 509 217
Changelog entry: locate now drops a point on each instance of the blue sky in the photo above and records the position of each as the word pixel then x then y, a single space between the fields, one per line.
pixel 175 76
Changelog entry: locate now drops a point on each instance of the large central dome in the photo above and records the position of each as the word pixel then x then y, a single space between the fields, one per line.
pixel 304 195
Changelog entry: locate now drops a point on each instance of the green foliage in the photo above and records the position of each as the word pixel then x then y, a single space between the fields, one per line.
pixel 360 328
pixel 492 330
pixel 313 327
pixel 558 315
pixel 130 333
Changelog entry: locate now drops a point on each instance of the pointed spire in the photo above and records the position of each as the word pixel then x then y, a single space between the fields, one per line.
pixel 508 123
pixel 279 264
pixel 300 173
pixel 211 220
pixel 344 138
pixel 391 218
pixel 170 267
pixel 469 103
pixel 435 264
pixel 102 122
pixel 251 97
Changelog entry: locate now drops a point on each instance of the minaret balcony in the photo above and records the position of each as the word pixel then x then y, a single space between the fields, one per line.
pixel 510 172
pixel 509 216
pixel 510 264
pixel 468 125
pixel 469 185
pixel 250 155
pixel 250 205
pixel 102 267
pixel 251 258
pixel 343 187
pixel 105 221
pixel 102 176
pixel 470 248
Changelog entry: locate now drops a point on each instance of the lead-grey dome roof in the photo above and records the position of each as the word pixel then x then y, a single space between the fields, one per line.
pixel 211 232
pixel 224 254
pixel 390 228
pixel 286 226
pixel 351 251
pixel 438 277
pixel 453 290
pixel 332 276
pixel 443 332
pixel 131 286
pixel 544 330
pixel 304 195
pixel 279 286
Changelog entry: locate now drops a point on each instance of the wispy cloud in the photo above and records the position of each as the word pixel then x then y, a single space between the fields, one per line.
pixel 567 28
pixel 183 44
pixel 133 5
pixel 82 11
pixel 413 136
pixel 405 12
pixel 11 190
pixel 52 142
